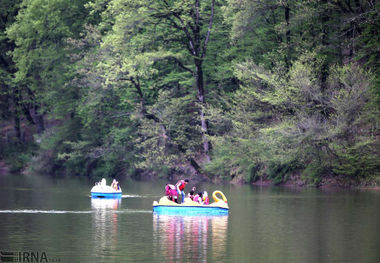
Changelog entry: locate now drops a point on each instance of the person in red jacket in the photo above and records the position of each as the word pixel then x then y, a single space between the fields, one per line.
pixel 180 186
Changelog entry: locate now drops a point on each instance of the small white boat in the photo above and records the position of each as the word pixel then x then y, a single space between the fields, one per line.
pixel 102 190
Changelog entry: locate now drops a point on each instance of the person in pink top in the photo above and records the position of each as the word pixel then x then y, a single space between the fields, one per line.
pixel 171 192
pixel 198 198
pixel 205 199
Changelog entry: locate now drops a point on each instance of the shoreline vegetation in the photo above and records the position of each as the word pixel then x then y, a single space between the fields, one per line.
pixel 257 92
pixel 327 182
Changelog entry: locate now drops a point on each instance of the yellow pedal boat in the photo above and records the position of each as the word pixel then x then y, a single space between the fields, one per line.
pixel 189 207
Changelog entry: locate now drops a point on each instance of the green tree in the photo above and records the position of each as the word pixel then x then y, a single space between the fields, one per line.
pixel 41 60
pixel 146 27
pixel 284 124
pixel 40 56
pixel 8 109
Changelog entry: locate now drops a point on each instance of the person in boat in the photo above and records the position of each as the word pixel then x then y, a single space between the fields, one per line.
pixel 205 199
pixel 115 185
pixel 198 198
pixel 180 187
pixel 171 192
pixel 191 193
pixel 103 182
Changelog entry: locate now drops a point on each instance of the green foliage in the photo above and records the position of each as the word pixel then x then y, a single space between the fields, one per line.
pixel 283 123
pixel 278 172
pixel 359 162
pixel 16 155
pixel 8 13
pixel 172 141
pixel 313 173
pixel 115 87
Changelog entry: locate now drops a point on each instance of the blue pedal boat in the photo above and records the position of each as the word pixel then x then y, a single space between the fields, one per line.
pixel 167 207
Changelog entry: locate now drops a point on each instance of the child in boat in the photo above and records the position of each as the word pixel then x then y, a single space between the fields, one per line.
pixel 191 193
pixel 205 199
pixel 198 198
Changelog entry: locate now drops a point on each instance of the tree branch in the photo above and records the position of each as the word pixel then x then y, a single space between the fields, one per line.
pixel 209 30
pixel 186 31
pixel 180 64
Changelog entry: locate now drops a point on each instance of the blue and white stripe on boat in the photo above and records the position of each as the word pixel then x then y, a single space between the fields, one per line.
pixel 189 210
pixel 106 195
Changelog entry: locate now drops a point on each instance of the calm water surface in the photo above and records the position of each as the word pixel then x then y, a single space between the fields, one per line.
pixel 57 216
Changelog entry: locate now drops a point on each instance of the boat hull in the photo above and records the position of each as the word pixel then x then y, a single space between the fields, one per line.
pixel 189 210
pixel 105 195
pixel 189 207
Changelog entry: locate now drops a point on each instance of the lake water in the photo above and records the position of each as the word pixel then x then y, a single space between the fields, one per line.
pixel 56 218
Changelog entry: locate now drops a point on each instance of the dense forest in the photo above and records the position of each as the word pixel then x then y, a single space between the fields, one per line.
pixel 242 90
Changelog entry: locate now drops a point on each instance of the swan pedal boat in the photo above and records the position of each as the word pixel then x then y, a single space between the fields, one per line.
pixel 102 190
pixel 189 207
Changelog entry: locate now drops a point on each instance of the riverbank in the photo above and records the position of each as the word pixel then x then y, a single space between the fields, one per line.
pixel 294 180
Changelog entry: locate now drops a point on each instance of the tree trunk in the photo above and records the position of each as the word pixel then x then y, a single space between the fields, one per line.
pixel 200 53
pixel 27 114
pixel 39 120
pixel 287 36
pixel 202 101
pixel 17 126
pixel 197 46
pixel 16 112
pixel 324 67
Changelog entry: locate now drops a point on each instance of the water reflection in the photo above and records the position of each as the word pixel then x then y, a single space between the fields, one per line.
pixel 105 224
pixel 102 204
pixel 189 238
